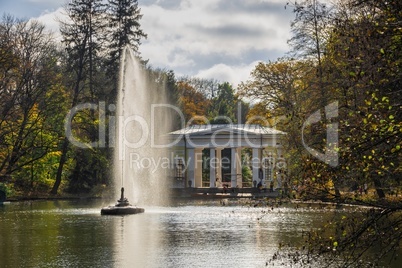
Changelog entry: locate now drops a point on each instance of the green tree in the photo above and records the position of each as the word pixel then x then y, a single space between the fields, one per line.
pixel 362 69
pixel 124 29
pixel 30 71
pixel 82 36
pixel 222 110
pixel 365 58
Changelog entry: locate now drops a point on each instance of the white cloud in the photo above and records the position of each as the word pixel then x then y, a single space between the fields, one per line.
pixel 50 20
pixel 219 39
pixel 196 29
pixel 195 32
pixel 47 2
pixel 232 74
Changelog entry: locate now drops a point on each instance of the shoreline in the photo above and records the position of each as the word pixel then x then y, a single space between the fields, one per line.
pixel 49 198
pixel 251 199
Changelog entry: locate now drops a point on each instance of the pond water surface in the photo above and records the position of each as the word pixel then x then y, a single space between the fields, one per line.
pixel 188 234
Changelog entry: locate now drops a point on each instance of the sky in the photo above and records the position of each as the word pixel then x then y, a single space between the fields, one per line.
pixel 213 39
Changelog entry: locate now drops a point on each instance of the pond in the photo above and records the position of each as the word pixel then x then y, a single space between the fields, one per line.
pixel 187 234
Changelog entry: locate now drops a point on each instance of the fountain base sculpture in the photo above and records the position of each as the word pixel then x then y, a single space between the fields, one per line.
pixel 122 207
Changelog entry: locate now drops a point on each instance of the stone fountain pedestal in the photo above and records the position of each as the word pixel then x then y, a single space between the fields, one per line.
pixel 122 207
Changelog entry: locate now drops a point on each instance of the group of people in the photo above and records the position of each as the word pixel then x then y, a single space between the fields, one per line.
pixel 363 188
pixel 259 185
pixel 360 188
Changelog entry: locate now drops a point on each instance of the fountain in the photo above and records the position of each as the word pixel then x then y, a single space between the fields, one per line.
pixel 134 149
pixel 122 207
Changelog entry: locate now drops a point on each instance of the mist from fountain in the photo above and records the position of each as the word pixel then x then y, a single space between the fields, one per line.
pixel 139 166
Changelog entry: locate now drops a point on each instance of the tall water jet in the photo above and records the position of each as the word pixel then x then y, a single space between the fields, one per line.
pixel 141 120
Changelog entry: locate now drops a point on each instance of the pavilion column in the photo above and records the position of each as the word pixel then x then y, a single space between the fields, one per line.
pixel 256 164
pixel 279 153
pixel 198 168
pixel 190 167
pixel 277 169
pixel 234 166
pixel 239 175
pixel 219 165
pixel 212 167
pixel 268 164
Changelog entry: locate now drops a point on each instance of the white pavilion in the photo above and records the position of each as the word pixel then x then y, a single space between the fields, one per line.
pixel 266 145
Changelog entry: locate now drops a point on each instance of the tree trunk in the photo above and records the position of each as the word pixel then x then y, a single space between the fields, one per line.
pixel 337 193
pixel 378 188
pixel 62 161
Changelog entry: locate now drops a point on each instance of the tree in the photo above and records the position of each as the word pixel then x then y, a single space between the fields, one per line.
pixel 222 110
pixel 311 30
pixel 81 36
pixel 123 29
pixel 362 68
pixel 29 73
pixel 284 99
pixel 364 55
pixel 280 87
pixel 208 87
pixel 193 104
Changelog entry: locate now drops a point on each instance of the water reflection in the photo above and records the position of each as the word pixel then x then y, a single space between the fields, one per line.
pixel 74 234
pixel 49 234
pixel 136 240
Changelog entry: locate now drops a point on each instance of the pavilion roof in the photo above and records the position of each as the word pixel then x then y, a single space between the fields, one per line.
pixel 237 128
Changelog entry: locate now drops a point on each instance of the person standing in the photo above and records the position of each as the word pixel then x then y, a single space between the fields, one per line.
pixel 218 183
